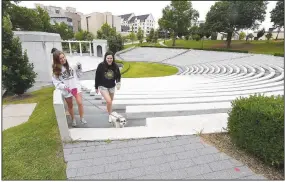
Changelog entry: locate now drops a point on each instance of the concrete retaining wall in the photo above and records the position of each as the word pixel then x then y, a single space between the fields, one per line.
pixel 38 46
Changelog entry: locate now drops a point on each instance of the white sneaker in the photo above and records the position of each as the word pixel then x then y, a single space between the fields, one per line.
pixel 110 119
pixel 74 123
pixel 83 121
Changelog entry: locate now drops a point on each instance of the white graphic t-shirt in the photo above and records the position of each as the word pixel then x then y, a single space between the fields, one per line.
pixel 68 80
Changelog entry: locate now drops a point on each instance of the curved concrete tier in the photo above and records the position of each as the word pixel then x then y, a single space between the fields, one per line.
pixel 197 99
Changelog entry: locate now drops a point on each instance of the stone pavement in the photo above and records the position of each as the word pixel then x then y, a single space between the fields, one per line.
pixel 15 114
pixel 179 157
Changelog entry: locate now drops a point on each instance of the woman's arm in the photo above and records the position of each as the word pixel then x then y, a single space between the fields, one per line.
pixel 97 76
pixel 78 69
pixel 58 84
pixel 118 78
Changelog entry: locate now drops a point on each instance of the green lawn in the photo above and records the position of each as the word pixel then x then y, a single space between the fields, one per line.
pixel 33 150
pixel 143 69
pixel 143 44
pixel 259 47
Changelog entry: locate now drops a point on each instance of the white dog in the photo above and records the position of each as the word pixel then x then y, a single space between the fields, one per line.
pixel 118 120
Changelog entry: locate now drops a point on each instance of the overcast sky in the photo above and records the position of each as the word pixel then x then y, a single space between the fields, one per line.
pixel 136 7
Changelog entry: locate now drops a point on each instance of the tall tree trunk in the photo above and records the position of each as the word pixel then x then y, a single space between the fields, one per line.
pixel 229 39
pixel 277 34
pixel 173 39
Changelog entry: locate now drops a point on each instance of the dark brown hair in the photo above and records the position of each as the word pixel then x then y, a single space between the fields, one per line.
pixel 56 66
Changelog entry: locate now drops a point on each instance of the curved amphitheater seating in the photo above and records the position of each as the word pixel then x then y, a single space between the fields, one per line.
pixel 197 99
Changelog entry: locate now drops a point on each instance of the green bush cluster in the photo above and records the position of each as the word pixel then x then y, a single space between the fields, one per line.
pixel 17 72
pixel 279 54
pixel 206 49
pixel 256 124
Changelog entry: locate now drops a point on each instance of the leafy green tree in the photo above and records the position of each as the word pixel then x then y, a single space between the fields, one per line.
pixel 114 40
pixel 140 35
pixel 25 19
pixel 277 16
pixel 83 35
pixel 176 18
pixel 106 31
pixel 155 37
pixel 44 16
pixel 260 33
pixel 241 36
pixel 132 35
pixel 151 34
pixel 66 32
pixel 194 31
pixel 249 36
pixel 115 43
pixel 17 73
pixel 268 36
pixel 231 16
pixel 214 35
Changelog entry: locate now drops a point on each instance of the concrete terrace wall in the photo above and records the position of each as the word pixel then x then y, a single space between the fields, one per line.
pixel 38 46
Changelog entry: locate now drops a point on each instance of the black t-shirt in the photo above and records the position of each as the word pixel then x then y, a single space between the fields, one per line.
pixel 107 76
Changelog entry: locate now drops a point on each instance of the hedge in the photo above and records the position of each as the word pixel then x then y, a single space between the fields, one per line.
pixel 206 49
pixel 256 124
pixel 279 54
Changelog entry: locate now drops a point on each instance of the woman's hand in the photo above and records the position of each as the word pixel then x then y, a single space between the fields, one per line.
pixel 97 91
pixel 67 89
pixel 118 85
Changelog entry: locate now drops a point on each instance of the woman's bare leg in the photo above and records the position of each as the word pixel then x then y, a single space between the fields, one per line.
pixel 108 100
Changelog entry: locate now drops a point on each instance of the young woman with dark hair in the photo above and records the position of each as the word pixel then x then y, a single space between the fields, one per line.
pixel 106 78
pixel 66 79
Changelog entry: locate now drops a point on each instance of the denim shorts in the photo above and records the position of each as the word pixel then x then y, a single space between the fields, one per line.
pixel 104 89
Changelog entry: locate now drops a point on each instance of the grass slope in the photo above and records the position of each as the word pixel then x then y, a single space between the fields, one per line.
pixel 259 47
pixel 33 150
pixel 144 69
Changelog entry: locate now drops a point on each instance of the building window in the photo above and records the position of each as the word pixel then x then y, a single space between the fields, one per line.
pixel 57 11
pixel 69 20
pixel 147 31
pixel 79 25
pixel 87 24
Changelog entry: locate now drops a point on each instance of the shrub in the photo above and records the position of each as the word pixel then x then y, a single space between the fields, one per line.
pixel 186 37
pixel 214 35
pixel 196 37
pixel 279 54
pixel 17 72
pixel 256 124
pixel 242 35
pixel 115 43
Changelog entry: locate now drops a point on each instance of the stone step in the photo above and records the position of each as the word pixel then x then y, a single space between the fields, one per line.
pixel 156 127
pixel 163 96
pixel 262 80
pixel 146 111
pixel 121 104
pixel 101 121
pixel 239 74
pixel 274 84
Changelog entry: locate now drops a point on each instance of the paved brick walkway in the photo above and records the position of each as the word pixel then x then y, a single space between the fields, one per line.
pixel 182 157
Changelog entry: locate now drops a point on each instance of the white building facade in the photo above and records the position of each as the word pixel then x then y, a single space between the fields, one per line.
pixel 130 21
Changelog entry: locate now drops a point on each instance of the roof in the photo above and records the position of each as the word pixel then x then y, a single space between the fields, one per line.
pixel 142 18
pixel 125 28
pixel 125 16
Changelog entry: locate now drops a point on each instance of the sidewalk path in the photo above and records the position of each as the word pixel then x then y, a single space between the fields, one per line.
pixel 161 43
pixel 15 114
pixel 181 157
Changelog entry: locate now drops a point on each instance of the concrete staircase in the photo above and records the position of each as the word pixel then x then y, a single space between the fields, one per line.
pixel 197 100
